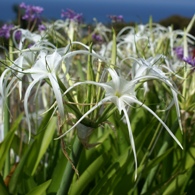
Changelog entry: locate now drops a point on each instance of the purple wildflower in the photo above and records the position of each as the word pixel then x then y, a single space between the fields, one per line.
pixel 41 27
pixel 72 15
pixel 5 30
pixel 97 37
pixel 190 60
pixel 31 12
pixel 179 52
pixel 116 18
pixel 18 35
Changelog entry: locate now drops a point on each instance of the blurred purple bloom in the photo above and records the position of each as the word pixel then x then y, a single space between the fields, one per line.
pixel 31 12
pixel 97 37
pixel 72 15
pixel 18 35
pixel 116 18
pixel 179 52
pixel 190 60
pixel 41 27
pixel 5 30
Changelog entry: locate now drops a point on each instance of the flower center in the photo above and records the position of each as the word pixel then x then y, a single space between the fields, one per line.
pixel 118 94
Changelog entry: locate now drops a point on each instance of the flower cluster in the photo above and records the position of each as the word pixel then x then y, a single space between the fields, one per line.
pixel 5 30
pixel 117 76
pixel 72 15
pixel 31 12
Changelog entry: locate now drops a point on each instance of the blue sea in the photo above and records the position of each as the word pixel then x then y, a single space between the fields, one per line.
pixel 132 11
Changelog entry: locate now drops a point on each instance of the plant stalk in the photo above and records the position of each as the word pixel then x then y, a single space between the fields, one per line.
pixel 69 171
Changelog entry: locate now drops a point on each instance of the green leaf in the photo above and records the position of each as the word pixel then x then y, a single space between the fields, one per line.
pixel 87 176
pixel 179 183
pixel 18 174
pixel 190 158
pixel 33 154
pixel 147 168
pixel 41 189
pixel 111 171
pixel 57 175
pixel 5 145
pixel 43 142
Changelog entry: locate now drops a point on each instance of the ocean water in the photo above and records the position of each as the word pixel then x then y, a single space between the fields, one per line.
pixel 132 11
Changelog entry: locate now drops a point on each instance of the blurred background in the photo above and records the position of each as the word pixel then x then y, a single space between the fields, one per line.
pixel 137 11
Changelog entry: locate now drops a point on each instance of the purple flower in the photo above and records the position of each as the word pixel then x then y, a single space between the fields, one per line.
pixel 5 30
pixel 72 15
pixel 97 37
pixel 179 52
pixel 31 12
pixel 116 18
pixel 41 27
pixel 190 60
pixel 18 35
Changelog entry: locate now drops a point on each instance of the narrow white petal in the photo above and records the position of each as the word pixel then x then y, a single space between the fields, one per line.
pixel 27 94
pixel 157 117
pixel 57 93
pixel 131 140
pixel 86 82
pixel 88 112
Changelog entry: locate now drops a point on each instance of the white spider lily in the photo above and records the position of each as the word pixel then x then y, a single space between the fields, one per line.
pixel 45 67
pixel 38 41
pixel 122 93
pixel 144 67
pixel 26 59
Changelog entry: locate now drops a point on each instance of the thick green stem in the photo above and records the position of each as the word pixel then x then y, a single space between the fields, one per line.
pixel 69 171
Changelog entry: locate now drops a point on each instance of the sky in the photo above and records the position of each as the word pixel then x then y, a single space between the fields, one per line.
pixel 132 10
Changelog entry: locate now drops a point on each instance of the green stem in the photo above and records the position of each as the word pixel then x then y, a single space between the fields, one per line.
pixel 69 172
pixel 6 123
pixel 6 115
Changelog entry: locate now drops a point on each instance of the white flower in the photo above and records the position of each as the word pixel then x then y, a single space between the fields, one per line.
pixel 14 72
pixel 122 93
pixel 150 66
pixel 45 67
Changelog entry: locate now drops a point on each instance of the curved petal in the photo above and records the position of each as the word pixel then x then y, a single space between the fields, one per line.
pixel 131 99
pixel 58 94
pixel 88 112
pixel 131 140
pixel 86 82
pixel 53 60
pixel 27 94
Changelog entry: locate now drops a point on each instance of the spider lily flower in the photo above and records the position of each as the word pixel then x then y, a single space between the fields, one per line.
pixel 25 60
pixel 121 93
pixel 34 39
pixel 45 67
pixel 144 67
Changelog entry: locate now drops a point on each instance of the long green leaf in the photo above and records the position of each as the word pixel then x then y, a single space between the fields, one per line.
pixel 44 141
pixel 5 145
pixel 89 174
pixel 41 189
